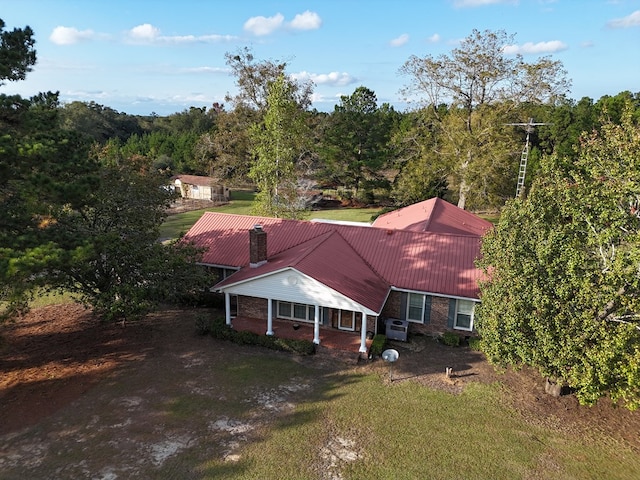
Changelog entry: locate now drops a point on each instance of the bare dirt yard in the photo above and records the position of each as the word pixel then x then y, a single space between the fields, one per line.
pixel 112 375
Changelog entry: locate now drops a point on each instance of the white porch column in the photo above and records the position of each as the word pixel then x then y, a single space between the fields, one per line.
pixel 316 326
pixel 227 308
pixel 269 317
pixel 363 334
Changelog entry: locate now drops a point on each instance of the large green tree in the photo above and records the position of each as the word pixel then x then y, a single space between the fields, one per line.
pixel 356 139
pixel 420 175
pixel 277 144
pixel 17 53
pixel 254 77
pixel 98 122
pixel 225 152
pixel 482 85
pixel 562 292
pixel 112 259
pixel 45 170
pixel 80 222
pixel 227 149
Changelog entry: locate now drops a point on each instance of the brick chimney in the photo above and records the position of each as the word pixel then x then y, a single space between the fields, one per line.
pixel 257 246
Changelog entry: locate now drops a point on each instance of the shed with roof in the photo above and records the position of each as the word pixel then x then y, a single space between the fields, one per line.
pixel 198 187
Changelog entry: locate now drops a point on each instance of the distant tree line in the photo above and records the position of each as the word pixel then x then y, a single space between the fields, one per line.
pixel 463 150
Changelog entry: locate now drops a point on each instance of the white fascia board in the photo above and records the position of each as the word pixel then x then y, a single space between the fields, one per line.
pixel 215 265
pixel 456 297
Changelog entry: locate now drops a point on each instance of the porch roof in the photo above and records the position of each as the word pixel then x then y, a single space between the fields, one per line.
pixel 332 261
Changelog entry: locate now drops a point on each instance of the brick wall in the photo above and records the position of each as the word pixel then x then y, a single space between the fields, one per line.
pixel 252 307
pixel 392 307
pixel 438 318
pixel 371 323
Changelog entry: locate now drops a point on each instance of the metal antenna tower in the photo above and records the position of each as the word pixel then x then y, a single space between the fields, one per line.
pixel 522 172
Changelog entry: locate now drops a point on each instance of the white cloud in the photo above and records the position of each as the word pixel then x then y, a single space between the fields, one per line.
pixel 333 78
pixel 69 35
pixel 482 3
pixel 260 26
pixel 631 20
pixel 85 95
pixel 172 70
pixel 214 70
pixel 535 48
pixel 145 33
pixel 149 34
pixel 399 41
pixel 435 38
pixel 306 21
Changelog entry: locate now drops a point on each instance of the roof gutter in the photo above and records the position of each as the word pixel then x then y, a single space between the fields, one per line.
pixel 457 297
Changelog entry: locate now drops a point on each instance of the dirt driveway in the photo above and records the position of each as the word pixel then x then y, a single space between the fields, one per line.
pixel 96 397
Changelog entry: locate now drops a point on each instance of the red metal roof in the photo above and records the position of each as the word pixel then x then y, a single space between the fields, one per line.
pixel 331 260
pixel 434 215
pixel 360 262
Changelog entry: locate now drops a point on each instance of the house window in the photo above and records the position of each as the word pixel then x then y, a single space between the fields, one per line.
pixel 284 309
pixel 296 311
pixel 299 312
pixel 415 307
pixel 227 272
pixel 464 315
pixel 347 320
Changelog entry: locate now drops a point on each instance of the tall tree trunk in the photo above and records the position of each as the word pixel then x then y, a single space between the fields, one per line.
pixel 462 195
pixel 464 186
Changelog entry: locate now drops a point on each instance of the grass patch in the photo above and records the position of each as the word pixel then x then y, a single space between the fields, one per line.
pixel 241 204
pixel 407 431
pixel 175 225
pixel 43 299
pixel 180 223
pixel 345 214
pixel 490 217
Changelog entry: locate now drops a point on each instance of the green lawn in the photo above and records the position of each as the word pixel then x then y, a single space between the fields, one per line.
pixel 241 203
pixel 408 431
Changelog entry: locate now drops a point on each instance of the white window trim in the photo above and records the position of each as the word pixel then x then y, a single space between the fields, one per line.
pixel 309 309
pixel 455 320
pixel 424 298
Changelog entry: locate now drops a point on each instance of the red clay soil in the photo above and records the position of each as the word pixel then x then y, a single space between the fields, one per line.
pixel 57 353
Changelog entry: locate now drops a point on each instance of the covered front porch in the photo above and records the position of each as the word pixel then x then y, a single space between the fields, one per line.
pixel 329 337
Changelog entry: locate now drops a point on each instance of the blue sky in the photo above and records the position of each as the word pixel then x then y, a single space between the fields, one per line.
pixel 143 56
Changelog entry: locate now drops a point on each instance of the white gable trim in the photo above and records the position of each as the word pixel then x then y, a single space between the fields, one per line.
pixel 290 285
